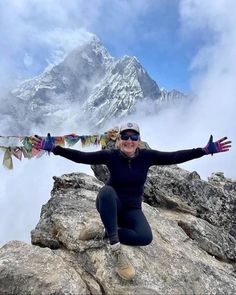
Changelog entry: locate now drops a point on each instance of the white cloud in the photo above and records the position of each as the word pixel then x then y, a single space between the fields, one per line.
pixel 28 60
pixel 214 68
pixel 42 29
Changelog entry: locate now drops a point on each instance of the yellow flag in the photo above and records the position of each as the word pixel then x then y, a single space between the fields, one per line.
pixel 7 159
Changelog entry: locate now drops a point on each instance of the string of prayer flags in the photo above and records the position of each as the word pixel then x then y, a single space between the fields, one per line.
pixel 71 139
pixel 22 146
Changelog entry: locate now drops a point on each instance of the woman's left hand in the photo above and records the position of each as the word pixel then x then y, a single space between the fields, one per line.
pixel 221 145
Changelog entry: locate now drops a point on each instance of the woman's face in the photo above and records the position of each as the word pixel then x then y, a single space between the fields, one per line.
pixel 126 144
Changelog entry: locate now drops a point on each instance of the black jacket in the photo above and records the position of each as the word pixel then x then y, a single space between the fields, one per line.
pixel 128 175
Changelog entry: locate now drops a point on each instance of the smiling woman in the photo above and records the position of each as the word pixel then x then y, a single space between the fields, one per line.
pixel 119 201
pixel 129 139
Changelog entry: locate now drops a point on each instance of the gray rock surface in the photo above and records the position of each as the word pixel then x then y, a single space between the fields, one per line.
pixel 192 251
pixel 26 269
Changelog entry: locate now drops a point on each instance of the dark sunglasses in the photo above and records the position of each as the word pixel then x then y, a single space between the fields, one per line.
pixel 133 137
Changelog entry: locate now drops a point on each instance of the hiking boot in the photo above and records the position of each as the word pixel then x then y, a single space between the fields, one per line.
pixel 92 231
pixel 123 266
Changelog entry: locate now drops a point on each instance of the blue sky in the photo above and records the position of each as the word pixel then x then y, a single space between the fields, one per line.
pixel 36 33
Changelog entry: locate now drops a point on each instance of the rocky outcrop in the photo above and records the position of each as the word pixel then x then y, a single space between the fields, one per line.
pixel 27 269
pixel 213 202
pixel 193 249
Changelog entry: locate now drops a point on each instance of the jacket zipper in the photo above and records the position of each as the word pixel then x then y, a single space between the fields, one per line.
pixel 129 161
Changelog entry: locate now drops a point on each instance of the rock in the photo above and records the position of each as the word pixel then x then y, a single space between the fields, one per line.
pixel 188 255
pixel 210 238
pixel 212 201
pixel 101 172
pixel 26 269
pixel 62 218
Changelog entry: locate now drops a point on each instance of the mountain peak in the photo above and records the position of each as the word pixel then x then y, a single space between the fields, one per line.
pixel 101 86
pixel 92 51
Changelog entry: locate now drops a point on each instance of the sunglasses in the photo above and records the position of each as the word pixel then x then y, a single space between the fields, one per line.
pixel 133 137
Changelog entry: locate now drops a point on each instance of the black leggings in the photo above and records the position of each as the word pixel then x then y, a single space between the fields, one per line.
pixel 129 226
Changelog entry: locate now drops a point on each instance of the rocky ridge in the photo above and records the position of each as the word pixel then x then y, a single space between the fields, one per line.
pixel 193 250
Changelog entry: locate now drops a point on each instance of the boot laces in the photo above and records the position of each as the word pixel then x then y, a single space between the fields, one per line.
pixel 122 259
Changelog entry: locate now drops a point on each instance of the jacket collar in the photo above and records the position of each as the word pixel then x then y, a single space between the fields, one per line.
pixel 127 157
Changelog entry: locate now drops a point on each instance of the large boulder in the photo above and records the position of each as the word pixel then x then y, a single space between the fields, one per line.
pixel 188 255
pixel 27 269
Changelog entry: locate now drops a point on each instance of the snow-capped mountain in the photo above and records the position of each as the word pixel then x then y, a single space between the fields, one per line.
pixel 89 85
pixel 72 79
pixel 125 83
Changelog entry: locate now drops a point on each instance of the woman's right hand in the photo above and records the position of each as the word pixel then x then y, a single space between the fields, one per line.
pixel 43 143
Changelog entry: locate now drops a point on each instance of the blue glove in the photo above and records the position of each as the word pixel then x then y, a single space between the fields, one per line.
pixel 45 143
pixel 218 146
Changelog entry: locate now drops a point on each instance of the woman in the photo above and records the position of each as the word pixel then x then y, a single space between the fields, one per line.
pixel 119 201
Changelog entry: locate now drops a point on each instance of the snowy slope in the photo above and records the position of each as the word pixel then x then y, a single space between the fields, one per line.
pixel 89 85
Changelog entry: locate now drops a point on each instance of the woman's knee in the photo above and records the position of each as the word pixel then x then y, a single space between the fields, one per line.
pixel 146 239
pixel 106 192
pixel 106 195
pixel 134 239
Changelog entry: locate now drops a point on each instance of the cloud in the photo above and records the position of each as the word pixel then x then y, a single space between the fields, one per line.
pixel 213 72
pixel 40 30
pixel 46 30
